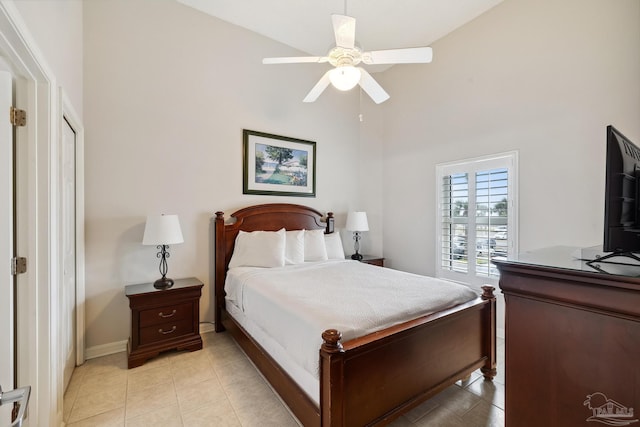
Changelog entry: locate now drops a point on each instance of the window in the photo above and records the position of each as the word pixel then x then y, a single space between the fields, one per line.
pixel 476 218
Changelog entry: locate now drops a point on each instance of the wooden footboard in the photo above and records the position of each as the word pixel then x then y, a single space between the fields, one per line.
pixel 376 378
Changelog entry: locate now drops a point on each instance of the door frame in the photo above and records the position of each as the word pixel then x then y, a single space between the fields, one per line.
pixel 69 114
pixel 37 228
pixel 7 289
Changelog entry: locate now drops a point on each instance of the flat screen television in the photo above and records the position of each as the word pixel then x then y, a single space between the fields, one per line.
pixel 622 194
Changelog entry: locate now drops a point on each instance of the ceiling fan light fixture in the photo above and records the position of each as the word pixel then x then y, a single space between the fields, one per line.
pixel 345 77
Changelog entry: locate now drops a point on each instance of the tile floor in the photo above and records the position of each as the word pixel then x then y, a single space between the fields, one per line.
pixel 218 386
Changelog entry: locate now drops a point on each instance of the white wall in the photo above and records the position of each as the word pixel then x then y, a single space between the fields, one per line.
pixel 167 92
pixel 56 27
pixel 539 76
pixel 370 172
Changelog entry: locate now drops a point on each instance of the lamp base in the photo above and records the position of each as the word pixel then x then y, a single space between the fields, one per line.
pixel 163 283
pixel 357 256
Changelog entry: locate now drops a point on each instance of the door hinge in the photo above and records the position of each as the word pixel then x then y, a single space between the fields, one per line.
pixel 18 265
pixel 17 117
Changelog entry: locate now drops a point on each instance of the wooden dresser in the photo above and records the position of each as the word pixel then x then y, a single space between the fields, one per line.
pixel 163 319
pixel 572 341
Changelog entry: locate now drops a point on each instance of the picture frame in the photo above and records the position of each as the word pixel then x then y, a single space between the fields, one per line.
pixel 278 165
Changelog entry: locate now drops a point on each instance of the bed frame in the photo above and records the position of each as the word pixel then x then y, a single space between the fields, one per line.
pixel 370 380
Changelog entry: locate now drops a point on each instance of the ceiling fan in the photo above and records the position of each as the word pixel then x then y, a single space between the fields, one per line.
pixel 346 56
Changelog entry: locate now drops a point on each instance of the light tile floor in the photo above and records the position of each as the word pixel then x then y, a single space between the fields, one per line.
pixel 218 386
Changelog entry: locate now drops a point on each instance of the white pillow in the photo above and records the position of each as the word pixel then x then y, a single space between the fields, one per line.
pixel 333 243
pixel 294 250
pixel 314 246
pixel 259 249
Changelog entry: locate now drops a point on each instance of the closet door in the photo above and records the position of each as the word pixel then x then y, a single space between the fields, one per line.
pixel 69 250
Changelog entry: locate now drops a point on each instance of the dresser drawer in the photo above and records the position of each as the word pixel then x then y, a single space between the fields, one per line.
pixel 169 313
pixel 165 331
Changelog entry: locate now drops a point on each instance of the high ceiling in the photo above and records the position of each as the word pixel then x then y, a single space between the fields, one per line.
pixel 380 24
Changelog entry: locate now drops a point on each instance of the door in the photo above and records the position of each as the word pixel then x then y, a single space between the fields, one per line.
pixel 68 235
pixel 7 281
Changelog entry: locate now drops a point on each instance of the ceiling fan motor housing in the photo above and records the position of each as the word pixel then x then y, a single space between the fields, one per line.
pixel 342 56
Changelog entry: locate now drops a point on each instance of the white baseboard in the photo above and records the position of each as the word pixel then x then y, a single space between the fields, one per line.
pixel 105 349
pixel 207 327
pixel 119 346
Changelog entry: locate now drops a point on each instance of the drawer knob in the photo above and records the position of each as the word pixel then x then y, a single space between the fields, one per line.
pixel 167 332
pixel 161 314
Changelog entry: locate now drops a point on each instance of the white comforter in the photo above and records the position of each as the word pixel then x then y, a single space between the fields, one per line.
pixel 296 303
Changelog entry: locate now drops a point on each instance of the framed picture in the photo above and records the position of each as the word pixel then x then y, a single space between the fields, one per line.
pixel 278 165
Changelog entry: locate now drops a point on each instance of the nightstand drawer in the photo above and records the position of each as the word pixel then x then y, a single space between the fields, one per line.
pixel 165 331
pixel 170 313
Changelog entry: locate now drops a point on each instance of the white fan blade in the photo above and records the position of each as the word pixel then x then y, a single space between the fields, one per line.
pixel 373 89
pixel 412 55
pixel 318 88
pixel 294 59
pixel 344 28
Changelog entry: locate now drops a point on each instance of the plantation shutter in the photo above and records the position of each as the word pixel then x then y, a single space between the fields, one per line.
pixel 476 217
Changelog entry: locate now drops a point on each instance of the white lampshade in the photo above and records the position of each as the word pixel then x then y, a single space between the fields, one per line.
pixel 162 230
pixel 344 77
pixel 357 221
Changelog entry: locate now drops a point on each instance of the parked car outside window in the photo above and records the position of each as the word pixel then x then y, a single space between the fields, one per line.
pixel 485 248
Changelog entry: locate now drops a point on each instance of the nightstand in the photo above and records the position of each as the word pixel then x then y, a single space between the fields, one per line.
pixel 373 260
pixel 163 319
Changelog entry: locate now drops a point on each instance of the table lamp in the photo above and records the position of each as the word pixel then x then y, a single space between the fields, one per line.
pixel 357 222
pixel 162 231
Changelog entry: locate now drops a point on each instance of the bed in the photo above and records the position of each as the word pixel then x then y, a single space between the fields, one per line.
pixel 361 380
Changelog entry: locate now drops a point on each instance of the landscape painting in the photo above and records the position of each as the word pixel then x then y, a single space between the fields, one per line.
pixel 278 165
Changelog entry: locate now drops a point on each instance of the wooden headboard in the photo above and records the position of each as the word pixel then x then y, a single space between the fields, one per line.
pixel 267 217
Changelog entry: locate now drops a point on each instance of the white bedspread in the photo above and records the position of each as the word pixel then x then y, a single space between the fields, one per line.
pixel 296 303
